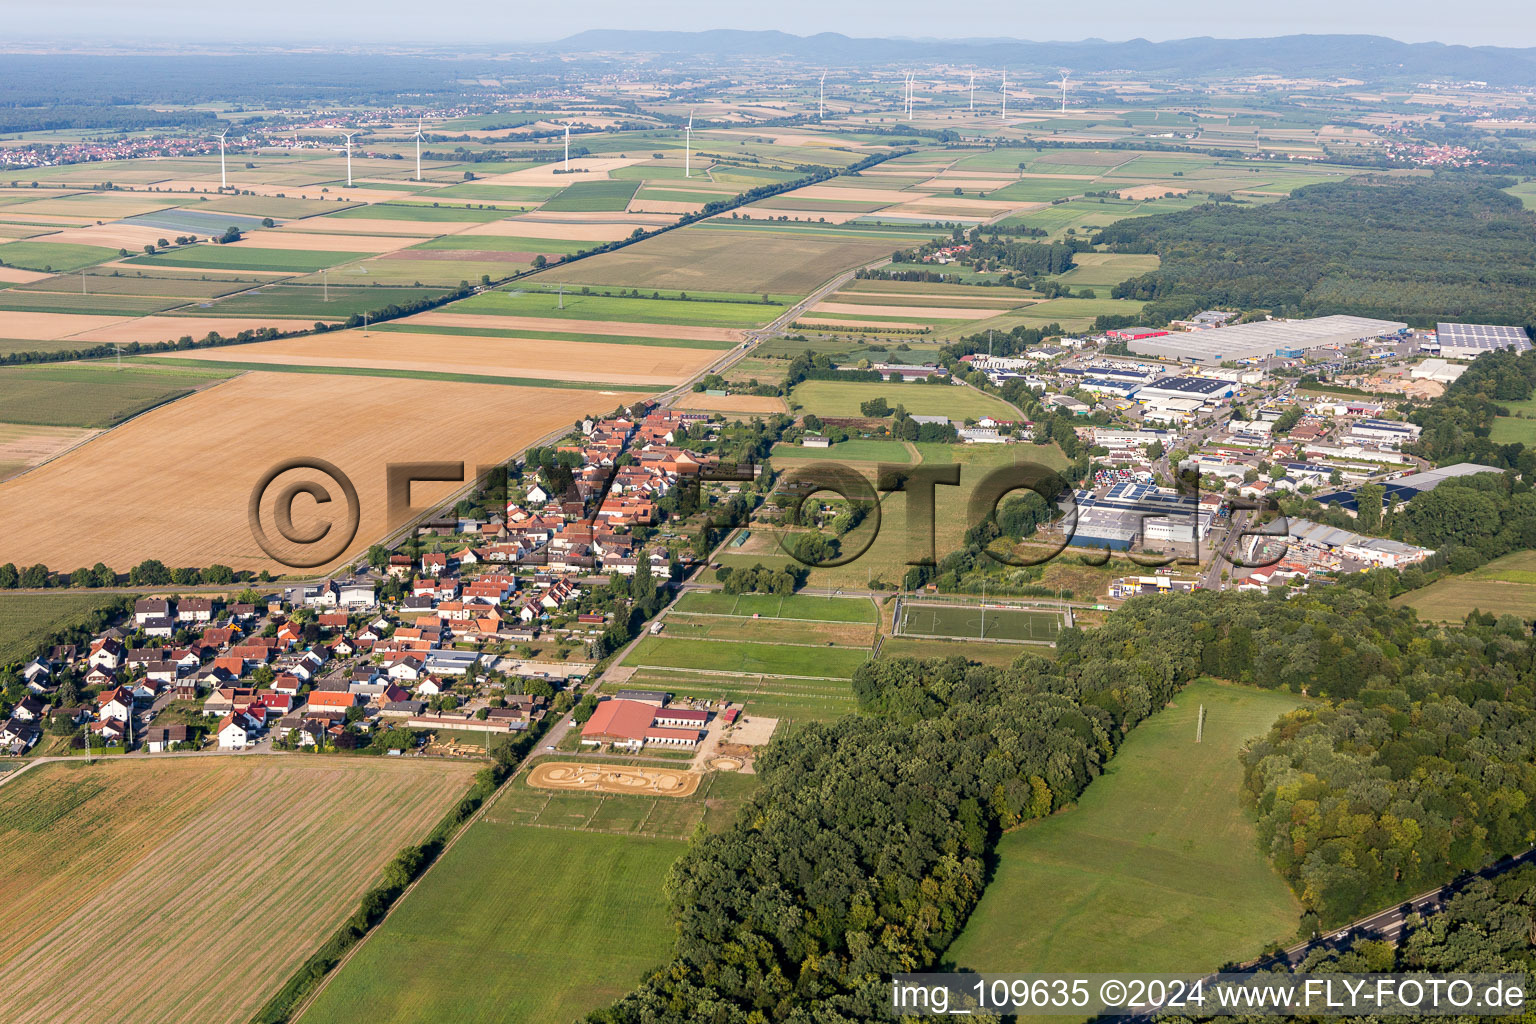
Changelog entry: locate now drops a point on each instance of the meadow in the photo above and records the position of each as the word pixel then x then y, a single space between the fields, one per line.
pixel 786 606
pixel 413 327
pixel 856 450
pixel 1157 867
pixel 1505 586
pixel 517 924
pixel 788 700
pixel 747 658
pixel 58 257
pixel 90 394
pixel 107 903
pixel 838 399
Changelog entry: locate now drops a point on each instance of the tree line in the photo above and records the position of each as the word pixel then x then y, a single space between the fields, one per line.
pixel 1452 247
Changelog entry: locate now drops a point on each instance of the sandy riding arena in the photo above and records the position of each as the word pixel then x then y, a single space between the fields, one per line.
pixel 614 778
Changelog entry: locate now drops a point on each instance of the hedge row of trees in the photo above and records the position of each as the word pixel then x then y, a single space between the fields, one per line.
pixel 149 573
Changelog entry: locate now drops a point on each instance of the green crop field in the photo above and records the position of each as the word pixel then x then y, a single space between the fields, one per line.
pixel 267 206
pixel 836 398
pixel 421 211
pixel 519 924
pixel 546 304
pixel 857 450
pixel 768 606
pixel 239 257
pixel 594 196
pixel 27 620
pixel 92 395
pixel 99 283
pixel 73 302
pixel 497 193
pixel 963 621
pixel 55 256
pixel 747 658
pixel 1505 586
pixel 308 301
pixel 1041 190
pixel 1156 868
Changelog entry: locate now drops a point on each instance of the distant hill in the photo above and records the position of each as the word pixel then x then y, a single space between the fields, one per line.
pixel 1354 56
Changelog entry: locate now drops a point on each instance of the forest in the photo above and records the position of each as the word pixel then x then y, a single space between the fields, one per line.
pixel 863 849
pixel 1451 247
pixel 1457 424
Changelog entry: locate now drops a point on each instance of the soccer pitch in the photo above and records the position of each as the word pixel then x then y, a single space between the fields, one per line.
pixel 978 622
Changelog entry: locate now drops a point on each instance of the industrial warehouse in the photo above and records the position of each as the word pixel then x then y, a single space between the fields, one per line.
pixel 1288 338
pixel 1468 341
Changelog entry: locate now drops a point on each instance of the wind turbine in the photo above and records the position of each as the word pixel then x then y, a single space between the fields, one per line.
pixel 349 157
pixel 1064 73
pixel 973 92
pixel 821 102
pixel 418 149
pixel 567 126
pixel 1005 94
pixel 223 181
pixel 688 147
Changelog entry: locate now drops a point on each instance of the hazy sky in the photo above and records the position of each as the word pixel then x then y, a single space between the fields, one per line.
pixel 1474 22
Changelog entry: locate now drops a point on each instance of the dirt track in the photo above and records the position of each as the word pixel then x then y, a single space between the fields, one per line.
pixel 614 778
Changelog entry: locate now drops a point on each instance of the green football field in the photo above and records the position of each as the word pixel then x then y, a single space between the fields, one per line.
pixel 978 622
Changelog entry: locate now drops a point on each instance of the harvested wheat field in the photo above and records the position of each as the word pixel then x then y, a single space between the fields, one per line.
pixel 149 329
pixel 589 362
pixel 538 323
pixel 731 403
pixel 24 445
pixel 583 168
pixel 613 778
pixel 927 312
pixel 139 891
pixel 15 275
pixel 111 236
pixel 234 432
pixel 52 326
pixel 638 205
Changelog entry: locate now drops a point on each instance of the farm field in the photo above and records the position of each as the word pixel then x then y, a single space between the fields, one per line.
pixel 258 420
pixel 548 303
pixel 58 257
pixel 417 325
pixel 1157 866
pixel 131 843
pixel 242 257
pixel 501 952
pixel 1505 586
pixel 24 445
pixel 546 358
pixel 26 620
pixel 90 394
pixel 313 301
pixel 838 399
pixel 727 259
pixel 788 700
